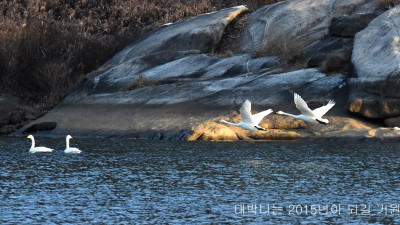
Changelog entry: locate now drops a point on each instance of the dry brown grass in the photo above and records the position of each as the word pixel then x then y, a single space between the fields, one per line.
pixel 290 50
pixel 389 3
pixel 43 61
pixel 140 82
pixel 229 45
pixel 335 62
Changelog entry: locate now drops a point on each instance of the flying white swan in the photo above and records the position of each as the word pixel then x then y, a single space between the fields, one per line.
pixel 308 115
pixel 249 121
pixel 37 149
pixel 69 149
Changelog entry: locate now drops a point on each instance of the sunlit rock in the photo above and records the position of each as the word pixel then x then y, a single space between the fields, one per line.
pixel 211 131
pixel 274 135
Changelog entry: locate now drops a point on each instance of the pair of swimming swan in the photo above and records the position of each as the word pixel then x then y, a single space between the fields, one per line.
pixel 250 121
pixel 68 149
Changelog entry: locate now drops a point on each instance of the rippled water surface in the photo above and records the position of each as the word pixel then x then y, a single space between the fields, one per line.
pixel 126 181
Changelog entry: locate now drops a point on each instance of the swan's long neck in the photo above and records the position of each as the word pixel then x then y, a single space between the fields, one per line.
pixel 33 142
pixel 67 141
pixel 288 114
pixel 233 124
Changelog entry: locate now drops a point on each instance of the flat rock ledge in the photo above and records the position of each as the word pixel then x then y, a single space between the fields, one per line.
pixel 192 122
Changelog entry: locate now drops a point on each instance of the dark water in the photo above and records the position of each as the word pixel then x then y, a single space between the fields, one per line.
pixel 126 181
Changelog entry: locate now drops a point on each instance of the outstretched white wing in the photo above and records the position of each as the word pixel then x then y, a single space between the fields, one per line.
pixel 324 109
pixel 259 116
pixel 245 111
pixel 302 106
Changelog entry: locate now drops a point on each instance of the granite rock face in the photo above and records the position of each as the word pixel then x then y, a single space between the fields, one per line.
pixel 375 82
pixel 314 26
pixel 168 43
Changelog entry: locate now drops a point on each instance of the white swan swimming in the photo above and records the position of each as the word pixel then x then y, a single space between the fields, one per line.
pixel 37 149
pixel 69 149
pixel 395 128
pixel 308 115
pixel 249 121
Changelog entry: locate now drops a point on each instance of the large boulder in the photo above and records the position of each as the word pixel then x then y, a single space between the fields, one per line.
pixel 276 90
pixel 266 89
pixel 201 33
pixel 375 81
pixel 167 43
pixel 291 28
pixel 201 68
pixel 304 21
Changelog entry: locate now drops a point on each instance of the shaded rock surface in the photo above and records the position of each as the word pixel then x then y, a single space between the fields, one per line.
pixel 190 88
pixel 375 134
pixel 137 120
pixel 10 117
pixel 14 114
pixel 393 122
pixel 349 25
pixel 375 81
pixel 8 105
pixel 37 127
pixel 305 25
pixel 14 118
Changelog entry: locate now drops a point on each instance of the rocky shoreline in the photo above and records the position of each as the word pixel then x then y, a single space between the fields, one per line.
pixel 178 81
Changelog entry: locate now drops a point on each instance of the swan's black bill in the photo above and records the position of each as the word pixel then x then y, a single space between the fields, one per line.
pixel 259 128
pixel 319 121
